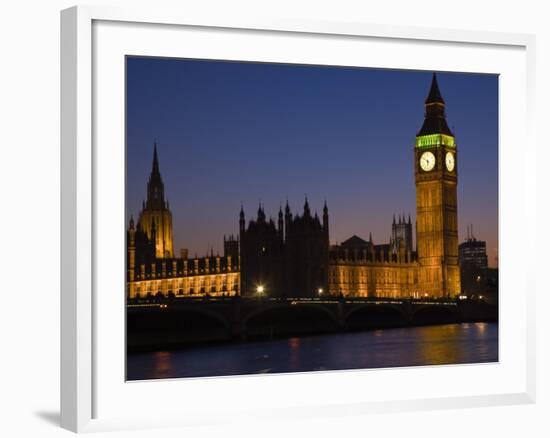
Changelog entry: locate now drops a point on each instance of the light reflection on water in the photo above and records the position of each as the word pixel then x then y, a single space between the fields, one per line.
pixel 432 345
pixel 162 364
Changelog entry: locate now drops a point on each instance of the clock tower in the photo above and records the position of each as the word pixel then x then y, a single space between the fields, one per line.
pixel 435 158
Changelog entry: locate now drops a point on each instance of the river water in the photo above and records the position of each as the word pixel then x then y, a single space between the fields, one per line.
pixel 430 345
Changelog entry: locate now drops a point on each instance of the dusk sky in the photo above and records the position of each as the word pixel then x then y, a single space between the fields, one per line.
pixel 229 133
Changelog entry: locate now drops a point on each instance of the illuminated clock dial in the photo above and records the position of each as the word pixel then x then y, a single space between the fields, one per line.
pixel 450 161
pixel 427 161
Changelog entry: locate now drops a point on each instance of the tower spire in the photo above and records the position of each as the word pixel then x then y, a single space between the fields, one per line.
pixel 155 186
pixel 435 121
pixel 325 219
pixel 307 211
pixel 434 94
pixel 241 220
pixel 280 223
pixel 155 169
pixel 261 213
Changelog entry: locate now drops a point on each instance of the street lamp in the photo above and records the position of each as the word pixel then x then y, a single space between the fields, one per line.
pixel 320 291
pixel 260 289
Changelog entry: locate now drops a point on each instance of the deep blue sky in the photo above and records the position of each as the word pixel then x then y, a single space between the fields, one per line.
pixel 232 132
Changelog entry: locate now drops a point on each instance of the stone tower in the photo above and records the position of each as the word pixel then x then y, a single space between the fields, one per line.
pixel 306 254
pixel 155 217
pixel 435 156
pixel 401 235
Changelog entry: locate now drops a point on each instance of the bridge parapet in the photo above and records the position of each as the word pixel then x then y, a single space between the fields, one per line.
pixel 236 311
pixel 238 317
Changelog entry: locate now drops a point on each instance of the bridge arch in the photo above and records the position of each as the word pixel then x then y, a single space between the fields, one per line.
pixel 430 314
pixel 375 316
pixel 287 319
pixel 175 326
pixel 211 314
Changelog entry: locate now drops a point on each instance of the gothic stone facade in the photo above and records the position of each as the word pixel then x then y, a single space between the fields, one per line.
pixel 149 275
pixel 287 260
pixel 293 258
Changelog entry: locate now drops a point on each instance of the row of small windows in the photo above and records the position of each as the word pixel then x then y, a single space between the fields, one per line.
pixel 363 292
pixel 208 283
pixel 190 291
pixel 184 273
pixel 203 280
pixel 363 277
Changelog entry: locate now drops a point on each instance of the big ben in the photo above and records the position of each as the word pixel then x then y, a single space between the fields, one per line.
pixel 436 176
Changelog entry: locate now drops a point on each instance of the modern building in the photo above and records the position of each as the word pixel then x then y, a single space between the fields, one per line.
pixel 294 258
pixel 472 253
pixel 477 278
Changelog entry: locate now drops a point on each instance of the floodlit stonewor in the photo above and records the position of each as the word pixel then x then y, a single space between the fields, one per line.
pixel 293 257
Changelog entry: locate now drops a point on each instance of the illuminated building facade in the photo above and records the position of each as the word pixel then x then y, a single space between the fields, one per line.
pixel 293 257
pixel 150 276
pixel 359 268
pixel 152 268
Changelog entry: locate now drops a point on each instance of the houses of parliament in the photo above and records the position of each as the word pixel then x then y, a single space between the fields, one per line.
pixel 293 257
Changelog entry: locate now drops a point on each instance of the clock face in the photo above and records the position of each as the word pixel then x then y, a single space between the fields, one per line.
pixel 427 161
pixel 450 161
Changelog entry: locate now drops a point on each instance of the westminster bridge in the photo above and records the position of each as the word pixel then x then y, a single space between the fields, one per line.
pixel 174 321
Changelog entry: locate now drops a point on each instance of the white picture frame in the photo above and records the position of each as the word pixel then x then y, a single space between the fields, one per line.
pixel 84 318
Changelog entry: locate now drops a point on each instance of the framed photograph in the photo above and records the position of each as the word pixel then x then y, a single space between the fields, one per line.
pixel 256 208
